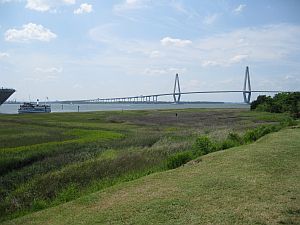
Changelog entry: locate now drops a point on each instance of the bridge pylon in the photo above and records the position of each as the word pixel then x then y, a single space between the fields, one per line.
pixel 176 92
pixel 247 87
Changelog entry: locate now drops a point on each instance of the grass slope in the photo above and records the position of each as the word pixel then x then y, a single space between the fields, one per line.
pixel 251 184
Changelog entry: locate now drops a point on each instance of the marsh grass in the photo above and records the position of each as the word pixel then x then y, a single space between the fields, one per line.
pixel 49 159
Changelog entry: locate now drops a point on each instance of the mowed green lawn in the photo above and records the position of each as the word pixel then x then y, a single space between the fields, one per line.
pixel 251 184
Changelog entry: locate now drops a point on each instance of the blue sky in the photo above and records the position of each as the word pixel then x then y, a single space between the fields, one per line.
pixel 71 49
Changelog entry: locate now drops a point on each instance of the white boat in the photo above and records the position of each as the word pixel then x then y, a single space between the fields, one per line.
pixel 28 107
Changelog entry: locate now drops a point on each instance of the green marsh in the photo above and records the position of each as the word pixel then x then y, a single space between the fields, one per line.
pixel 46 160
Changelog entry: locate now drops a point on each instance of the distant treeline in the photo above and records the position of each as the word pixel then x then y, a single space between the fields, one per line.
pixel 280 103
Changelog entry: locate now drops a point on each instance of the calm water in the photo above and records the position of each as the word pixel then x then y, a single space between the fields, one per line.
pixel 13 108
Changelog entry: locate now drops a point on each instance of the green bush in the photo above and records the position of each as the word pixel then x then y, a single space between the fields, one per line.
pixel 264 107
pixel 203 146
pixel 68 194
pixel 288 121
pixel 227 144
pixel 261 101
pixel 39 204
pixel 235 137
pixel 232 140
pixel 255 134
pixel 281 102
pixel 178 159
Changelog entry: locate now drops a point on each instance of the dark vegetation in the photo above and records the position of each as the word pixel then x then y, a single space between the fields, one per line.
pixel 280 103
pixel 50 159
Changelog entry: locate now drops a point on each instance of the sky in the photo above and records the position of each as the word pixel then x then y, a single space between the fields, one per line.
pixel 73 49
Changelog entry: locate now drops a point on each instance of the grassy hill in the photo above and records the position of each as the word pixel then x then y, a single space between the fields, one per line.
pixel 251 184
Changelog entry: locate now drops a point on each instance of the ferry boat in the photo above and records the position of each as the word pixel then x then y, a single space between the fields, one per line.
pixel 28 107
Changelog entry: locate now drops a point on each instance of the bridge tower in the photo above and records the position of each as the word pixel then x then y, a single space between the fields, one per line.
pixel 247 87
pixel 176 93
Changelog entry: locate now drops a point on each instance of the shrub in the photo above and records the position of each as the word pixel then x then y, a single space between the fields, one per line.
pixel 232 140
pixel 39 204
pixel 255 134
pixel 178 159
pixel 288 121
pixel 227 143
pixel 263 107
pixel 203 146
pixel 250 136
pixel 69 193
pixel 261 99
pixel 281 102
pixel 235 137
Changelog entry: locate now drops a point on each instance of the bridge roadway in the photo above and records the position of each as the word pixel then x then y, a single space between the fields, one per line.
pixel 153 98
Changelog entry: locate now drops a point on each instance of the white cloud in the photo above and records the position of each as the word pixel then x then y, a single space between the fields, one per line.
pixel 38 5
pixel 132 2
pixel 239 9
pixel 46 5
pixel 224 61
pixel 29 32
pixel 279 82
pixel 193 84
pixel 292 77
pixel 177 70
pixel 48 70
pixel 252 45
pixel 84 8
pixel 130 5
pixel 104 33
pixel 260 44
pixel 179 7
pixel 210 19
pixel 8 1
pixel 263 44
pixel 183 8
pixel 155 54
pixel 289 77
pixel 206 63
pixel 154 71
pixel 44 74
pixel 3 55
pixel 107 35
pixel 167 41
pixel 238 58
pixel 69 2
pixel 77 86
pixel 162 71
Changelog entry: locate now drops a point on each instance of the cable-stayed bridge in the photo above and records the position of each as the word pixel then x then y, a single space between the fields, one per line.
pixel 177 93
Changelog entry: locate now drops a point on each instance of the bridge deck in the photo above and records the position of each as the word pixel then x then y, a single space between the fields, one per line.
pixel 153 97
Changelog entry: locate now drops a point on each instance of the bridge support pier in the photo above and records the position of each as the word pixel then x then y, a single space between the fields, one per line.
pixel 176 95
pixel 247 87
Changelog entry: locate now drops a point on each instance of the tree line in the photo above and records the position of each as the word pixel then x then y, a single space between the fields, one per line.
pixel 280 103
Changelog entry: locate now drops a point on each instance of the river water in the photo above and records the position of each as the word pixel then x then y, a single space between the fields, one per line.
pixel 13 108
